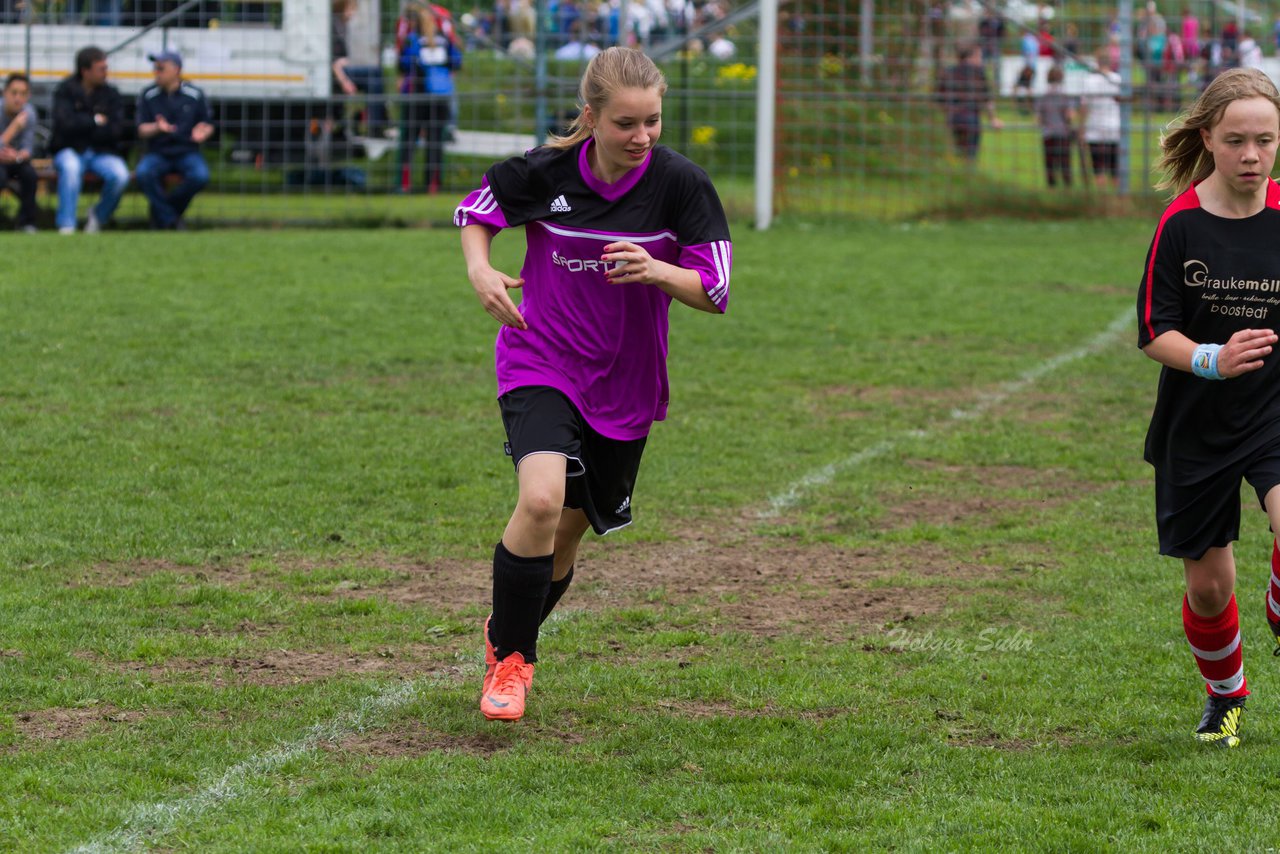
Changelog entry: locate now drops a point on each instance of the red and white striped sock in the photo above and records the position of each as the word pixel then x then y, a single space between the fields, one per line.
pixel 1215 643
pixel 1273 593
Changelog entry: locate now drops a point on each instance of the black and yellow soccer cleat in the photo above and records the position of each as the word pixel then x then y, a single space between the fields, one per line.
pixel 1220 725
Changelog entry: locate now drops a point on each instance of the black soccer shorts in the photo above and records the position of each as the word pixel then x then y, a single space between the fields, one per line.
pixel 1193 518
pixel 601 471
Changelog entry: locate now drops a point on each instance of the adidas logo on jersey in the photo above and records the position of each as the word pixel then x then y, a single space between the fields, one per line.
pixel 560 205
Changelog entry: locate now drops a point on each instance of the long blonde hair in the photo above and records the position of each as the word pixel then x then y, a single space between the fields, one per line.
pixel 610 70
pixel 1183 159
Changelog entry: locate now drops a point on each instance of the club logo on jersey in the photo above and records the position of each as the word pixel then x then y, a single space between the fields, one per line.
pixel 577 265
pixel 560 205
pixel 1194 273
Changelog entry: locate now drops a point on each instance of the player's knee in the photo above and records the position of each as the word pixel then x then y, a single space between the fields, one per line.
pixel 1208 596
pixel 541 506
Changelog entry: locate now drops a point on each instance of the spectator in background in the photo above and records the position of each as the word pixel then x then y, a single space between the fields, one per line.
pixel 349 79
pixel 576 49
pixel 1029 47
pixel 524 20
pixel 1250 52
pixel 17 137
pixel 1070 42
pixel 1056 113
pixel 567 17
pixel 1190 33
pixel 1023 87
pixel 1044 40
pixel 88 129
pixel 428 62
pixel 991 32
pixel 965 95
pixel 721 47
pixel 175 118
pixel 1172 63
pixel 1100 108
pixel 1230 42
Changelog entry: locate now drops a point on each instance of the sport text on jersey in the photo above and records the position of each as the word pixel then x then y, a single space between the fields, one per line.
pixel 1225 295
pixel 576 265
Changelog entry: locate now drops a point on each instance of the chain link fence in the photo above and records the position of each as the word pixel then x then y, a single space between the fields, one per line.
pixel 338 112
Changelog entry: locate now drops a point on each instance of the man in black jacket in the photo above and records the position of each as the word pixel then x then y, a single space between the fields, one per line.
pixel 88 127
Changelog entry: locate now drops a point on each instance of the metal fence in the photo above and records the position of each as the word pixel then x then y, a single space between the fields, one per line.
pixel 878 114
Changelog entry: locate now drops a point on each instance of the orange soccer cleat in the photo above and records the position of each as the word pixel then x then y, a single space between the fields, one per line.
pixel 503 698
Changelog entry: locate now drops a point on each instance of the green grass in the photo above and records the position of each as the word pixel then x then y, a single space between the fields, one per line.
pixel 245 479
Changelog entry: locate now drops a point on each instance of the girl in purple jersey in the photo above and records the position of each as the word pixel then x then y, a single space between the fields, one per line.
pixel 616 228
pixel 1206 311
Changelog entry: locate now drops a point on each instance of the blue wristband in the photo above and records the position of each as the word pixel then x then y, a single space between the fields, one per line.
pixel 1204 362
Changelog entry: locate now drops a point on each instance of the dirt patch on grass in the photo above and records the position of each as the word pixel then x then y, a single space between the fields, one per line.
pixel 126 573
pixel 408 739
pixel 737 581
pixel 290 667
pixel 766 589
pixel 59 723
pixel 748 585
pixel 722 709
pixel 986 493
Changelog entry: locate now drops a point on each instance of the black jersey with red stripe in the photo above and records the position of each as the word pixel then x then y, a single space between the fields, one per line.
pixel 1209 277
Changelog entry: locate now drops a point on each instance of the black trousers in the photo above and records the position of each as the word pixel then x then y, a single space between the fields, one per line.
pixel 429 115
pixel 25 176
pixel 1057 159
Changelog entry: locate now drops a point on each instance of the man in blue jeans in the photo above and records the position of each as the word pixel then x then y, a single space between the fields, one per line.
pixel 88 127
pixel 174 116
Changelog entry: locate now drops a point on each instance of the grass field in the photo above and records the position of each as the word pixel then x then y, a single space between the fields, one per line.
pixel 892 582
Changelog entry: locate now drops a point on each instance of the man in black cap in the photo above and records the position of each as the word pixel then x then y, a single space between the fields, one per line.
pixel 174 116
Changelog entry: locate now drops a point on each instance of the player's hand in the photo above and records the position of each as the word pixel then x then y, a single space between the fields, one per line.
pixel 8 155
pixel 19 121
pixel 1245 351
pixel 491 287
pixel 201 132
pixel 348 87
pixel 630 263
pixel 163 124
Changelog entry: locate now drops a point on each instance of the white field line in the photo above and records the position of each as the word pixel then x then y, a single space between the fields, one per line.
pixel 791 496
pixel 151 821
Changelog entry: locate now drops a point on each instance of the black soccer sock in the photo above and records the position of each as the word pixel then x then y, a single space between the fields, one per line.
pixel 520 586
pixel 553 595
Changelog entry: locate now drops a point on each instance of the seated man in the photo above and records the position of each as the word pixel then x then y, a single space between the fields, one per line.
pixel 88 126
pixel 175 117
pixel 17 136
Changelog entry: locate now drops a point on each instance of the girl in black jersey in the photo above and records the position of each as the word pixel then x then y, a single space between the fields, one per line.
pixel 1207 307
pixel 616 228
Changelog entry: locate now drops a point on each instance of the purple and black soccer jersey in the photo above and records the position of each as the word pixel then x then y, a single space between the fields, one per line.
pixel 1209 277
pixel 603 345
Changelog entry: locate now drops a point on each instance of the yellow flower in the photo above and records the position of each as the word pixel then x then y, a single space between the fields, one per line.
pixel 704 135
pixel 737 71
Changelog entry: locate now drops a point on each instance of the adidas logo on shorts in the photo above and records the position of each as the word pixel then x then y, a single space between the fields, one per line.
pixel 560 205
pixel 626 502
